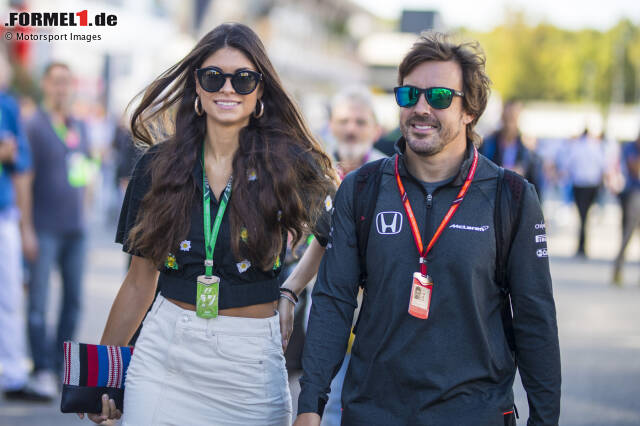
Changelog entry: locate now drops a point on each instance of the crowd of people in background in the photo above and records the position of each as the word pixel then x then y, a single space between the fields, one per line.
pixel 51 175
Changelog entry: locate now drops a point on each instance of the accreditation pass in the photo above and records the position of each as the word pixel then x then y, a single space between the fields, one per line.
pixel 420 296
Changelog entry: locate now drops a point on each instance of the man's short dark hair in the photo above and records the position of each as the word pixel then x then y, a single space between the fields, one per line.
pixel 436 46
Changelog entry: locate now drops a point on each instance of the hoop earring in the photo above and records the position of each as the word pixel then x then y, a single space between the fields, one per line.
pixel 195 106
pixel 261 110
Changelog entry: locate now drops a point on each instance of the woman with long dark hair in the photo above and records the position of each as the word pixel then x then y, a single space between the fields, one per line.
pixel 211 347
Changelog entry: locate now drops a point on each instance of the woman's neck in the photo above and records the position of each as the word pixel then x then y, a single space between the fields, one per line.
pixel 221 142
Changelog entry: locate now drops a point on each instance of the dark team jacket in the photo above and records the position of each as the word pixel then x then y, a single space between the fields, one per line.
pixel 456 366
pixel 241 284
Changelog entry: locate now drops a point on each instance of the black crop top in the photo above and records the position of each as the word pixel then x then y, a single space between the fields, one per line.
pixel 241 284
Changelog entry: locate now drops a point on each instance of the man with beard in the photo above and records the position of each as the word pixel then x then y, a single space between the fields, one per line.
pixel 430 346
pixel 354 127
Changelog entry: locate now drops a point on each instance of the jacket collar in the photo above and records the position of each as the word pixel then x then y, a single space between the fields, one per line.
pixel 401 146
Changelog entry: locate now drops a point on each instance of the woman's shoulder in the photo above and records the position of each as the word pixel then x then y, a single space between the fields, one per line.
pixel 142 171
pixel 149 153
pixel 145 158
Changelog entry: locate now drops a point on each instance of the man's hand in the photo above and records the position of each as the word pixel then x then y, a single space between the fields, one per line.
pixel 8 149
pixel 286 312
pixel 307 419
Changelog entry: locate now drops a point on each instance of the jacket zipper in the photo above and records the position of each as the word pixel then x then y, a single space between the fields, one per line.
pixel 428 205
pixel 427 219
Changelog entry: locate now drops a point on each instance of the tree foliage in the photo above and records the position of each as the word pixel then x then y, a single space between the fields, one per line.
pixel 544 62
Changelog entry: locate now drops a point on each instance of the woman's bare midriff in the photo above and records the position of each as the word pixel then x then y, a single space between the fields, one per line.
pixel 261 310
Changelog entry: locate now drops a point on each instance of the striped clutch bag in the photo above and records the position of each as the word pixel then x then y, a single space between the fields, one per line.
pixel 91 371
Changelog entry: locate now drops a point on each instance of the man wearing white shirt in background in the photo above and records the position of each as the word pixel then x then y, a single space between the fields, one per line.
pixel 585 163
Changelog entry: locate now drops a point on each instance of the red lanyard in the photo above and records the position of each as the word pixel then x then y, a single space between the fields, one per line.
pixel 454 206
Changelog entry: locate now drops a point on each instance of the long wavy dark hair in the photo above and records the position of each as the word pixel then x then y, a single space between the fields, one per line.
pixel 294 175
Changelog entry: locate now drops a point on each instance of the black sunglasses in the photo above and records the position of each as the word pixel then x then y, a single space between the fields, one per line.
pixel 437 97
pixel 243 81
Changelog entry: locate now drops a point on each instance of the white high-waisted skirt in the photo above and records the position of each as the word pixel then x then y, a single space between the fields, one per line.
pixel 223 371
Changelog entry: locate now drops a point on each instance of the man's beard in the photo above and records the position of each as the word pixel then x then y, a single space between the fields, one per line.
pixel 428 145
pixel 352 152
pixel 59 104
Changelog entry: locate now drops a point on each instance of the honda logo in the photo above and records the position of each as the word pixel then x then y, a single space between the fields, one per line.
pixel 389 223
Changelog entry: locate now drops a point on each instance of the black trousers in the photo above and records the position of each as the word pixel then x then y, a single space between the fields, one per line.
pixel 584 197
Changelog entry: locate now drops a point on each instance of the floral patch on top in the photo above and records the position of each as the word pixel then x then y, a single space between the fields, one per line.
pixel 252 175
pixel 185 245
pixel 244 234
pixel 328 203
pixel 243 266
pixel 171 262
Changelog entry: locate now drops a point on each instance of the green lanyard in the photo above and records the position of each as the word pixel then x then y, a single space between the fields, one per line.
pixel 62 131
pixel 210 236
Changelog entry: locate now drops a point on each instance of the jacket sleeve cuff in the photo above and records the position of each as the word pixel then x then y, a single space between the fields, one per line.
pixel 311 401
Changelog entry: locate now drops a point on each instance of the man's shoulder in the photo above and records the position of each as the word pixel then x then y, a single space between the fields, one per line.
pixel 487 169
pixel 36 121
pixel 375 155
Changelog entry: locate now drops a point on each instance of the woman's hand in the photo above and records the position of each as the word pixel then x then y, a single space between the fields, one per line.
pixel 286 312
pixel 109 411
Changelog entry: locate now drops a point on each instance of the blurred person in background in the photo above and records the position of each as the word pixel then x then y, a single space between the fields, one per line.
pixel 61 168
pixel 241 158
pixel 629 201
pixel 584 162
pixel 505 147
pixel 355 128
pixel 125 156
pixel 101 194
pixel 17 236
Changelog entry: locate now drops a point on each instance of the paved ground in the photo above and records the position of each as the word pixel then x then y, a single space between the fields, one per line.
pixel 599 327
